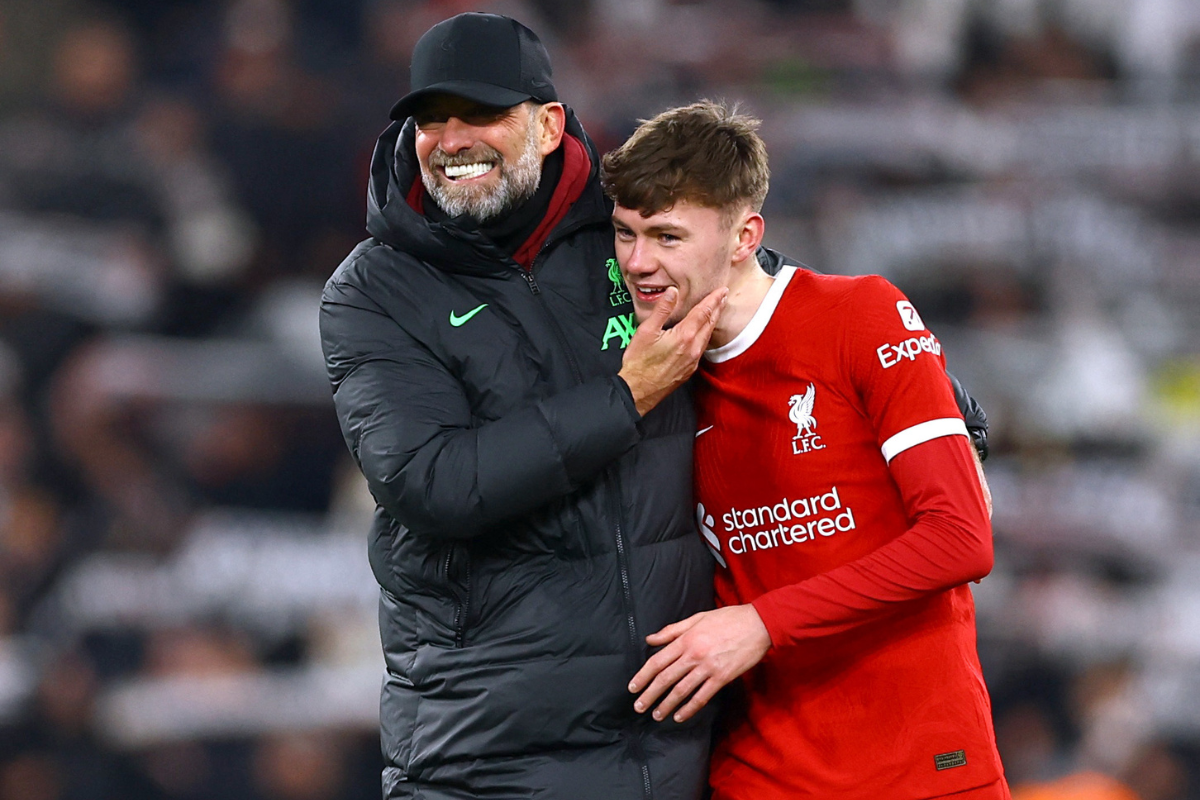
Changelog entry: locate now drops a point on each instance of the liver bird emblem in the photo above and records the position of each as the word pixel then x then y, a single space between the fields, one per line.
pixel 801 411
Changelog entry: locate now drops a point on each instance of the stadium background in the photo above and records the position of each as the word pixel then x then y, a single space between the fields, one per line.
pixel 186 609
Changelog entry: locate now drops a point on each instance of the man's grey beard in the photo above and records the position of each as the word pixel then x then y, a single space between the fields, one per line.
pixel 518 180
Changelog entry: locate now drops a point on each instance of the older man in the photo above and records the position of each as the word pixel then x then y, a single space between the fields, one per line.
pixel 531 466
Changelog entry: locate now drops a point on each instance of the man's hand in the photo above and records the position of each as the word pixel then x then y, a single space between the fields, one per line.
pixel 658 361
pixel 702 654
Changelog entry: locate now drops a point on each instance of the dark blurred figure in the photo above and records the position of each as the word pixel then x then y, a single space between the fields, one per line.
pixel 147 460
pixel 261 457
pixel 300 766
pixel 281 132
pixel 76 155
pixel 108 199
pixel 1000 69
pixel 129 500
pixel 76 220
pixel 30 531
pixel 1158 772
pixel 209 240
pixel 56 753
pixel 194 768
pixel 28 32
pixel 1116 756
pixel 30 776
pixel 1030 748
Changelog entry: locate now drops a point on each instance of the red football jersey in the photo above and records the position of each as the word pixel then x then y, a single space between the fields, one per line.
pixel 799 417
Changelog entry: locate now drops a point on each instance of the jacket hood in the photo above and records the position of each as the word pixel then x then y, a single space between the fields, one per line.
pixel 455 246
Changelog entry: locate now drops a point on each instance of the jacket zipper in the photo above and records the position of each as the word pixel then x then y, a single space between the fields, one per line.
pixel 463 605
pixel 623 565
pixel 618 532
pixel 630 621
pixel 464 610
pixel 527 274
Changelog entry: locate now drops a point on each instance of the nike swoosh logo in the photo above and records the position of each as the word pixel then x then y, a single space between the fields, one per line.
pixel 704 430
pixel 456 320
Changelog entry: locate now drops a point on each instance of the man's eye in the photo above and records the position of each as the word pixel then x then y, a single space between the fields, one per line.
pixel 624 233
pixel 427 120
pixel 483 118
pixel 668 238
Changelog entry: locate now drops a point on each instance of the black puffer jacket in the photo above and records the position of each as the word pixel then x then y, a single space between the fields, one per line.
pixel 531 530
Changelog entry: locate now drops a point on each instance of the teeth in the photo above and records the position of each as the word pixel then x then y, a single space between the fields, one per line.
pixel 652 289
pixel 460 171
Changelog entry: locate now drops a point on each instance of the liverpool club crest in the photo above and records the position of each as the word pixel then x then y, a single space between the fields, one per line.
pixel 800 412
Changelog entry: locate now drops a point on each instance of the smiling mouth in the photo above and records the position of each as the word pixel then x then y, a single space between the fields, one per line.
pixel 649 293
pixel 464 172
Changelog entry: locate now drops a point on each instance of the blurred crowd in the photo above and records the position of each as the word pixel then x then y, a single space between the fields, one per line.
pixel 186 609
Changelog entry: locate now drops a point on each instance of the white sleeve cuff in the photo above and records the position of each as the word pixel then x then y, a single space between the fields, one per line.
pixel 919 434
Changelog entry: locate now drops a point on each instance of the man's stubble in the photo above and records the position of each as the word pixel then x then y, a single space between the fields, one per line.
pixel 518 180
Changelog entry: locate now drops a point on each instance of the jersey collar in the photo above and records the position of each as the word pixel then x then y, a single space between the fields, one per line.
pixel 757 324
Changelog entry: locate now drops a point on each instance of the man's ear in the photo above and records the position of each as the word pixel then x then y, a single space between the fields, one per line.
pixel 552 123
pixel 749 236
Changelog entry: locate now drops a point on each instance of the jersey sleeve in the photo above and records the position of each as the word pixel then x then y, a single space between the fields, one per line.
pixel 897 366
pixel 948 544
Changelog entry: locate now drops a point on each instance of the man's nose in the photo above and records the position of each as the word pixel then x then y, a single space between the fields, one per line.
pixel 638 262
pixel 457 136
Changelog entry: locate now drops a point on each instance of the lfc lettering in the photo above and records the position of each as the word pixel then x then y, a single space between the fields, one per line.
pixel 807 445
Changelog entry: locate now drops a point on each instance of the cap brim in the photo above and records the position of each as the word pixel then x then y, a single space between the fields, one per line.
pixel 485 93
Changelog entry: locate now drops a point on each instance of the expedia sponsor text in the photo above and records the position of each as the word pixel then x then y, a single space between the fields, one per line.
pixel 892 354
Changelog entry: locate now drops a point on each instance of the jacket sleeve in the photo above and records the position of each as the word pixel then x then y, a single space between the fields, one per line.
pixel 408 424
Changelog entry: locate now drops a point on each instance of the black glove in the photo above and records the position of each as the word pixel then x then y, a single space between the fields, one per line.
pixel 976 419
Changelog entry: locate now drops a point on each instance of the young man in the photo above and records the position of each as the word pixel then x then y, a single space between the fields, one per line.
pixel 836 487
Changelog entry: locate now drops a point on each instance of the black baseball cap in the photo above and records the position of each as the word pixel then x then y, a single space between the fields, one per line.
pixel 487 58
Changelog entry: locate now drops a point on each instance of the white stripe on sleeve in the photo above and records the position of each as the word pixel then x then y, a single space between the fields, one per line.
pixel 919 434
